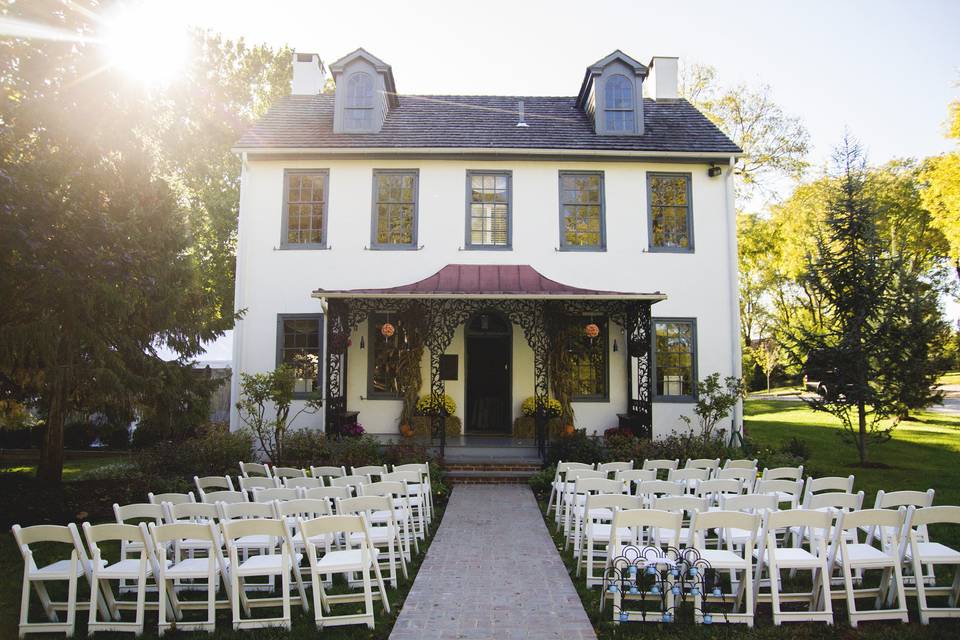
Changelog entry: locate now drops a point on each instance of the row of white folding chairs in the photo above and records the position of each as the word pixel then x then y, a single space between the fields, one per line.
pixel 757 547
pixel 160 550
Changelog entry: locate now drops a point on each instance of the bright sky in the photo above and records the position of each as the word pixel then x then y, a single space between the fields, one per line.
pixel 884 70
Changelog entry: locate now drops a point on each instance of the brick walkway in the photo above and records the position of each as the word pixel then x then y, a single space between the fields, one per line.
pixel 492 572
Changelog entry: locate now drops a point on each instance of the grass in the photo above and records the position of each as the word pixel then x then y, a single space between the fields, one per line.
pixel 11 565
pixel 788 390
pixel 952 377
pixel 923 453
pixel 74 467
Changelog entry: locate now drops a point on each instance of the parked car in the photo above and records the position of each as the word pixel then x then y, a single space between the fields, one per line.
pixel 822 376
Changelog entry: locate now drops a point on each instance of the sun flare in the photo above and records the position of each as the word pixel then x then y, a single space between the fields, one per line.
pixel 146 40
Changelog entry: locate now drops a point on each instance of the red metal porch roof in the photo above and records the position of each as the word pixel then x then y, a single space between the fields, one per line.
pixel 487 281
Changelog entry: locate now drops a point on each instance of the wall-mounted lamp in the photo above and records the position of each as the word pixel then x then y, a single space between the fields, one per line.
pixel 362 344
pixel 713 171
pixel 615 347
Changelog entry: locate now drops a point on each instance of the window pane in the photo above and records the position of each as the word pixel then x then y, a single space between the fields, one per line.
pixel 301 350
pixel 385 357
pixel 306 207
pixel 394 208
pixel 674 358
pixel 669 211
pixel 589 359
pixel 619 93
pixel 489 210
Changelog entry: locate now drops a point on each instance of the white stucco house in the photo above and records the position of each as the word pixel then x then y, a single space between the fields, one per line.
pixel 484 215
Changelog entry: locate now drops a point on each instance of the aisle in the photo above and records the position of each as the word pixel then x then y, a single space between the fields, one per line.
pixel 492 571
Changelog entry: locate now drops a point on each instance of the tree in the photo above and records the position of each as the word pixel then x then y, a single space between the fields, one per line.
pixel 96 271
pixel 767 357
pixel 941 195
pixel 775 143
pixel 715 400
pixel 262 393
pixel 881 317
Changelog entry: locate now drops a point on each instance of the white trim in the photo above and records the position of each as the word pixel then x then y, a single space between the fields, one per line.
pixel 654 297
pixel 487 151
pixel 736 363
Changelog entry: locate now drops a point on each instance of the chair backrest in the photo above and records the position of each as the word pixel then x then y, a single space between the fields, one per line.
pixel 172 498
pixel 783 473
pixel 829 483
pixel 249 484
pixel 423 468
pixel 196 512
pixel 640 519
pixel 835 500
pixel 598 485
pixel 563 467
pixel 715 489
pixel 613 467
pixel 655 488
pixel 302 483
pixel 918 499
pixel 47 533
pixel 410 477
pixel 688 476
pixel 176 532
pixel 612 501
pixel 781 521
pixel 349 481
pixel 704 522
pixel 367 505
pixel 338 524
pixel 747 474
pixel 636 475
pixel 661 464
pixel 246 510
pixel 890 520
pixel 740 463
pixel 703 463
pixel 328 472
pixel 124 533
pixel 139 512
pixel 681 504
pixel 304 508
pixel 751 503
pixel 212 482
pixel 269 495
pixel 384 488
pixel 330 494
pixel 370 470
pixel 575 474
pixel 234 529
pixel 230 497
pixel 254 469
pixel 792 488
pixel 288 472
pixel 943 514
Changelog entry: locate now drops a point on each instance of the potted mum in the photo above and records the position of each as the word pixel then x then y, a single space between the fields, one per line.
pixel 525 426
pixel 427 409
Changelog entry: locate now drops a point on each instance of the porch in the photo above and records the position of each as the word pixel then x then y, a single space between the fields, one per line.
pixel 485 302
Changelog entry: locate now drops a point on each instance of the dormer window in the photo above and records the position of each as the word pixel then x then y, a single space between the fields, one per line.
pixel 618 104
pixel 358 111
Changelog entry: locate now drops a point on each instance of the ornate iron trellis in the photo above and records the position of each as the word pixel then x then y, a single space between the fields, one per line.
pixel 667 578
pixel 446 314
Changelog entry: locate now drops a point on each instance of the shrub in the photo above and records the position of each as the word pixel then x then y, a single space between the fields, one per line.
pixel 305 447
pixel 551 406
pixel 687 446
pixel 541 481
pixel 78 434
pixel 427 406
pixel 406 453
pixel 215 453
pixel 578 447
pixel 797 448
pixel 352 430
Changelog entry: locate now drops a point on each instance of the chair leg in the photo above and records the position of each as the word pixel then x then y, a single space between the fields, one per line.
pixel 851 600
pixel 161 604
pixel 367 596
pixel 285 587
pixel 775 594
pixel 383 592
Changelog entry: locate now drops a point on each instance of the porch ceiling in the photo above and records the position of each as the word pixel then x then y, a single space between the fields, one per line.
pixel 488 281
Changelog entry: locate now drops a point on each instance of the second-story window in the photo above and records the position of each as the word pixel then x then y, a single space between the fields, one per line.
pixel 395 209
pixel 488 210
pixel 305 208
pixel 581 211
pixel 358 113
pixel 671 220
pixel 618 105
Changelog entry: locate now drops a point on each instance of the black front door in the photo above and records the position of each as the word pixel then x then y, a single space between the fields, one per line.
pixel 488 375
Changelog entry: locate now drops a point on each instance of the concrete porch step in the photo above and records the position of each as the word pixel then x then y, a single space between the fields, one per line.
pixel 479 472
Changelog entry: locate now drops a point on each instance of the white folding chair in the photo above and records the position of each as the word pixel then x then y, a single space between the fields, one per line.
pixel 426 487
pixel 327 472
pixel 922 551
pixel 650 490
pixel 303 483
pixel 558 486
pixel 227 497
pixel 787 491
pixel 202 513
pixel 351 481
pixel 371 471
pixel 132 537
pixel 715 490
pixel 415 499
pixel 135 514
pixel 659 465
pixel 249 485
pixel 292 511
pixel 782 473
pixel 832 502
pixel 269 565
pixel 731 558
pixel 614 467
pixel 172 498
pixel 564 501
pixel 269 495
pixel 689 477
pixel 773 557
pixel 207 484
pixel 402 511
pixel 595 535
pixel 358 556
pixel 740 463
pixel 687 507
pixel 282 473
pixel 35 576
pixel 330 494
pixel 643 524
pixel 255 469
pixel 852 555
pixel 174 568
pixel 384 536
pixel 837 484
pixel 710 464
pixel 583 488
pixel 894 500
pixel 747 475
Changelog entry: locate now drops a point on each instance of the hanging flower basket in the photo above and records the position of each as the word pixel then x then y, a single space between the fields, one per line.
pixel 591 330
pixel 387 330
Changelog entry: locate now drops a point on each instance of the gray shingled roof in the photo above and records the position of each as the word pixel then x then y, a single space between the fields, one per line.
pixel 484 122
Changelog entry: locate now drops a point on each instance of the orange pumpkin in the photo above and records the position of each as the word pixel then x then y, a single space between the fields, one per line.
pixel 591 330
pixel 569 430
pixel 387 330
pixel 406 430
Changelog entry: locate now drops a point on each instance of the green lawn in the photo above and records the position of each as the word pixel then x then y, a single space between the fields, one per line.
pixel 953 377
pixel 74 466
pixel 790 390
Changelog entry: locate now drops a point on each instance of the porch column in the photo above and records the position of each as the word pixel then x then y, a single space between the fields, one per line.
pixel 338 335
pixel 639 361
